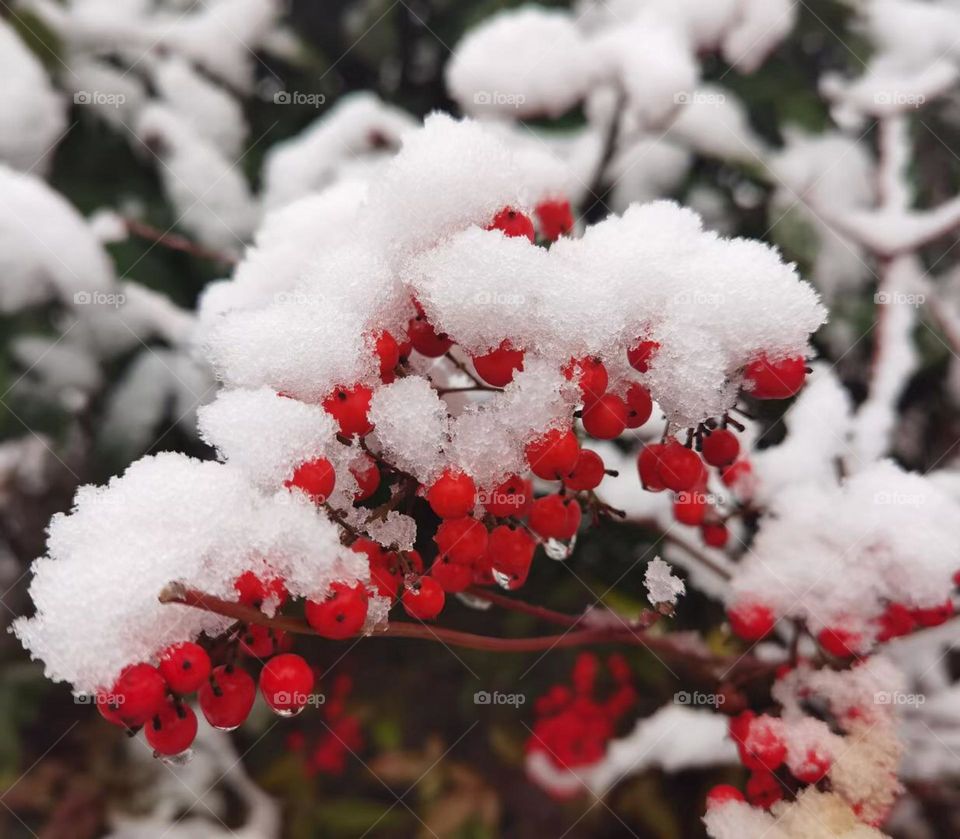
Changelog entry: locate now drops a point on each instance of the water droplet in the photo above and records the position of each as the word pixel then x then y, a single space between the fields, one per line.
pixel 502 580
pixel 288 712
pixel 181 759
pixel 226 727
pixel 558 550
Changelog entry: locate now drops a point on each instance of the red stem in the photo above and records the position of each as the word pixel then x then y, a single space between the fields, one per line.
pixel 709 664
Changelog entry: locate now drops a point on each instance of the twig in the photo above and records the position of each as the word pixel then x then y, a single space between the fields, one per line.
pixel 176 242
pixel 710 665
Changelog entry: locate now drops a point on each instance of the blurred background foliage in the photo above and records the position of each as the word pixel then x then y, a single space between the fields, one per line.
pixel 458 766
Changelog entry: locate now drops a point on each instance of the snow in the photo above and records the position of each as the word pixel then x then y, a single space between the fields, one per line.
pixel 167 518
pixel 522 62
pixel 359 127
pixel 673 738
pixel 208 191
pixel 886 533
pixel 662 586
pixel 33 115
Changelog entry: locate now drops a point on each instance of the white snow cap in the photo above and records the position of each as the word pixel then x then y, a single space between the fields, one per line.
pixel 33 114
pixel 168 518
pixel 835 555
pixel 525 62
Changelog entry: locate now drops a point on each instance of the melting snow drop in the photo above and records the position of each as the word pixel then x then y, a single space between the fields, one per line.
pixel 181 759
pixel 501 579
pixel 288 712
pixel 558 550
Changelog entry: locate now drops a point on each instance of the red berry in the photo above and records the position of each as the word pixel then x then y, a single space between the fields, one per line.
pixel 934 615
pixel 813 768
pixel 766 379
pixel 555 217
pixel 679 468
pixel 462 540
pixel 840 642
pixel 605 418
pixel 721 448
pixel 184 667
pixel 227 697
pixel 896 620
pixel 721 794
pixel 510 552
pixel 139 692
pixel 763 789
pixel 714 535
pixel 425 340
pixel 349 407
pixel 591 376
pixel 690 508
pixel 736 473
pixel 260 641
pixel 388 354
pixel 513 497
pixel 253 591
pixel 513 223
pixel 555 517
pixel 553 455
pixel 452 495
pixel 587 474
pixel 341 613
pixel 641 354
pixel 286 683
pixel 751 621
pixel 763 747
pixel 385 574
pixel 639 405
pixel 424 599
pixel 452 576
pixel 367 475
pixel 498 366
pixel 317 478
pixel 172 729
pixel 740 726
pixel 648 464
pixel 109 708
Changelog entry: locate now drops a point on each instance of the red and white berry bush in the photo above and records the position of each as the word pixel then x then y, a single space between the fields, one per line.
pixel 422 379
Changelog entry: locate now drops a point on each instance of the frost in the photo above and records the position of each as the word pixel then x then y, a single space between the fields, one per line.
pixel 661 585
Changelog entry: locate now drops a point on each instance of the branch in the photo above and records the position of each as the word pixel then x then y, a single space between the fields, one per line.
pixel 175 242
pixel 710 665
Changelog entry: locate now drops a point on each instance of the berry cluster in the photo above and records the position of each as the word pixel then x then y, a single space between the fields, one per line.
pixel 573 726
pixel 154 697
